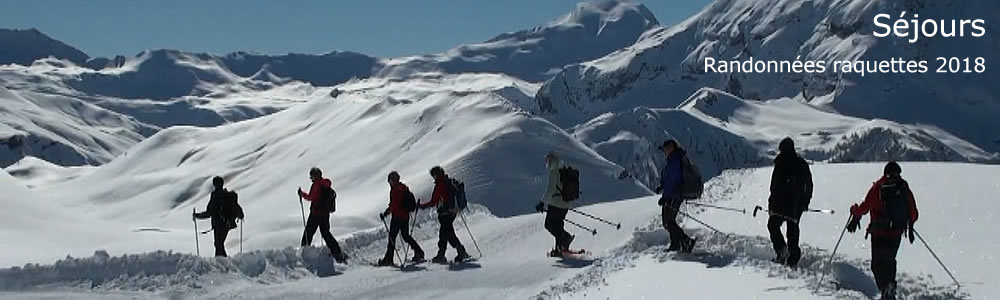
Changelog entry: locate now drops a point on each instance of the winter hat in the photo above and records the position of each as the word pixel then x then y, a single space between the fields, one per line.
pixel 786 145
pixel 217 181
pixel 892 168
pixel 315 172
pixel 393 176
pixel 436 171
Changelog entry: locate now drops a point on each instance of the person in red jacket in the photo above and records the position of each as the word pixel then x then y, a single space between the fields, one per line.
pixel 319 217
pixel 447 211
pixel 893 212
pixel 399 194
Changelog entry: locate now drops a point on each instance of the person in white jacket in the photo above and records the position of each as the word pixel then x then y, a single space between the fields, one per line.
pixel 555 216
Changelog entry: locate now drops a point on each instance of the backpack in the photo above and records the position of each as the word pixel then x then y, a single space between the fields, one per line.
pixel 231 209
pixel 692 184
pixel 569 183
pixel 409 201
pixel 328 199
pixel 895 195
pixel 457 190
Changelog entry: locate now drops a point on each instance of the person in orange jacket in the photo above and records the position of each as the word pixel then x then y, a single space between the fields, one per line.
pixel 893 212
pixel 399 194
pixel 319 217
pixel 447 212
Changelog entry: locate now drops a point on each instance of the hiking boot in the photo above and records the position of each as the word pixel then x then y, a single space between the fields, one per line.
pixel 461 257
pixel 417 257
pixel 340 258
pixel 781 257
pixel 439 259
pixel 555 252
pixel 889 292
pixel 688 246
pixel 674 246
pixel 384 263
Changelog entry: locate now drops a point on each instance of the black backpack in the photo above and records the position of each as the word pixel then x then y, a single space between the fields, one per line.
pixel 457 190
pixel 569 183
pixel 409 201
pixel 231 209
pixel 328 199
pixel 895 195
pixel 692 184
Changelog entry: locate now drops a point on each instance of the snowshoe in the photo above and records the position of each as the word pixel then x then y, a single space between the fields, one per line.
pixel 439 260
pixel 384 263
pixel 782 257
pixel 462 257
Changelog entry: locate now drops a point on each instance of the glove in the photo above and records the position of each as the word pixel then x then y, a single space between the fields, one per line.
pixel 540 207
pixel 659 189
pixel 661 201
pixel 911 233
pixel 853 225
pixel 382 215
pixel 301 193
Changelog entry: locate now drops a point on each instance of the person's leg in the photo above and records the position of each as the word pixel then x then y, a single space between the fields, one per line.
pixel 390 247
pixel 550 225
pixel 442 236
pixel 677 234
pixel 220 241
pixel 667 216
pixel 452 237
pixel 794 252
pixel 879 266
pixel 560 226
pixel 324 231
pixel 777 240
pixel 404 227
pixel 310 230
pixel 892 249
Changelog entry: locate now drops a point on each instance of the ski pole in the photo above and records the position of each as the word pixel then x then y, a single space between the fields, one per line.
pixel 197 246
pixel 406 247
pixel 770 213
pixel 462 214
pixel 835 247
pixel 302 209
pixel 242 223
pixel 958 285
pixel 700 222
pixel 824 211
pixel 744 211
pixel 394 248
pixel 616 225
pixel 592 231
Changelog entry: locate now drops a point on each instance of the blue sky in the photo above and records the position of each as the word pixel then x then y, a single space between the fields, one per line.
pixel 374 27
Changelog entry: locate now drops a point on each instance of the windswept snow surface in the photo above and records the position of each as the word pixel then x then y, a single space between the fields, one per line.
pixel 626 264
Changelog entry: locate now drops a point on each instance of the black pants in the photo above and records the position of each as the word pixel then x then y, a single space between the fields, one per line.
pixel 321 221
pixel 446 235
pixel 671 207
pixel 884 251
pixel 778 241
pixel 220 241
pixel 555 222
pixel 401 226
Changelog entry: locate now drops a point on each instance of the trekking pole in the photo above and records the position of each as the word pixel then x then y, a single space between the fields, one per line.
pixel 592 231
pixel 830 261
pixel 462 214
pixel 700 222
pixel 770 213
pixel 744 211
pixel 197 245
pixel 616 225
pixel 242 223
pixel 958 285
pixel 302 209
pixel 394 248
pixel 406 247
pixel 825 211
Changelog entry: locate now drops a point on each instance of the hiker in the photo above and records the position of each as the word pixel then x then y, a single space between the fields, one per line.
pixel 893 212
pixel 447 209
pixel 555 216
pixel 671 179
pixel 791 191
pixel 401 203
pixel 223 210
pixel 319 216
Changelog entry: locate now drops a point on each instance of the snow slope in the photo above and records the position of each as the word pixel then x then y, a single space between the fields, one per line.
pixel 626 264
pixel 666 66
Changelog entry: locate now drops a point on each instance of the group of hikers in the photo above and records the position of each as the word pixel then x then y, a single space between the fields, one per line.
pixel 889 201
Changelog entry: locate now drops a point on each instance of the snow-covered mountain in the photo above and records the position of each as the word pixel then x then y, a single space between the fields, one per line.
pixel 666 67
pixel 592 30
pixel 24 47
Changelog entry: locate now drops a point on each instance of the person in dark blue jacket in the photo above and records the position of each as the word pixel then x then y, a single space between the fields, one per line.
pixel 670 200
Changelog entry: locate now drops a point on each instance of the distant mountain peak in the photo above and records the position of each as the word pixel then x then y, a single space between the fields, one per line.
pixel 25 46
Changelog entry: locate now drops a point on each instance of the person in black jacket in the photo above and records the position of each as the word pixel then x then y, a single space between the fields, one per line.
pixel 791 190
pixel 216 210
